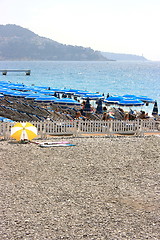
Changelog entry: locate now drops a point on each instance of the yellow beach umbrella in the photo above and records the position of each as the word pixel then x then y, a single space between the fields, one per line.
pixel 23 131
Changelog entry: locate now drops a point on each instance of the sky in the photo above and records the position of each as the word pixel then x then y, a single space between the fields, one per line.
pixel 118 26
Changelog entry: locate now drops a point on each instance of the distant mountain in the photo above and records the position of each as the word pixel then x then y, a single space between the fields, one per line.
pixel 123 57
pixel 18 43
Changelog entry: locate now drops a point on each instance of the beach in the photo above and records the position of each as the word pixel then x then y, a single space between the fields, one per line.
pixel 102 188
pixel 116 78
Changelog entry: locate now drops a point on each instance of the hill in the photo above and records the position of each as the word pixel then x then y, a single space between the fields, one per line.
pixel 18 43
pixel 123 57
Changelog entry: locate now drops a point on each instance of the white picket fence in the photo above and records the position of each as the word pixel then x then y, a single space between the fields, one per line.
pixel 78 127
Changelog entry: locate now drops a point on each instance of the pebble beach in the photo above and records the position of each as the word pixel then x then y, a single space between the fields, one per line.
pixel 100 189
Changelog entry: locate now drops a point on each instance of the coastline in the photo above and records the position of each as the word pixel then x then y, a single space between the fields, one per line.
pixel 104 77
pixel 102 188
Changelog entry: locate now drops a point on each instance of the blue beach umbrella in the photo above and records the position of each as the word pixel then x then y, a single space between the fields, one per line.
pixel 24 94
pixel 3 119
pixel 41 87
pixel 61 90
pixel 34 96
pixel 1 95
pixel 32 88
pixel 45 99
pixel 4 82
pixel 9 85
pixel 18 94
pixel 4 85
pixel 21 88
pixel 130 102
pixel 129 96
pixel 115 99
pixel 93 96
pixel 29 88
pixel 67 101
pixel 72 91
pixel 47 92
pixel 58 90
pixel 17 84
pixel 67 90
pixel 10 93
pixel 81 93
pixel 6 91
pixel 3 90
pixel 145 99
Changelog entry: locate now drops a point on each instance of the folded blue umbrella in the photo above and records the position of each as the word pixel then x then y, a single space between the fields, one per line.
pixel 87 107
pixel 155 109
pixel 99 108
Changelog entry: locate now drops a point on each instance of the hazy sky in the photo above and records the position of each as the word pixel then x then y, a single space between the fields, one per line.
pixel 120 26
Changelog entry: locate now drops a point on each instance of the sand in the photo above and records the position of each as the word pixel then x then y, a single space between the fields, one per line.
pixel 102 188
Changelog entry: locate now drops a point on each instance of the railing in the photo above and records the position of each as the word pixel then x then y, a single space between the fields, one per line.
pixel 77 127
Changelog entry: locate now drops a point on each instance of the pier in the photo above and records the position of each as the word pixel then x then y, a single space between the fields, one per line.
pixel 4 72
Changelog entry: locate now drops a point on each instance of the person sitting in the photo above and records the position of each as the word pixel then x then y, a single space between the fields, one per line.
pixel 92 108
pixel 79 116
pixel 132 115
pixel 143 115
pixel 83 104
pixel 126 116
pixel 104 109
pixel 105 116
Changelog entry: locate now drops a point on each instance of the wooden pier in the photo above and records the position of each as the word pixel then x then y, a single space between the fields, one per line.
pixel 4 72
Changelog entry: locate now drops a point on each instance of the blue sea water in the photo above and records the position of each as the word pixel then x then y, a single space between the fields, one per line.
pixel 139 78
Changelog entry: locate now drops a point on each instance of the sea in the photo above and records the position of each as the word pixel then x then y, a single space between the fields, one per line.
pixel 113 77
